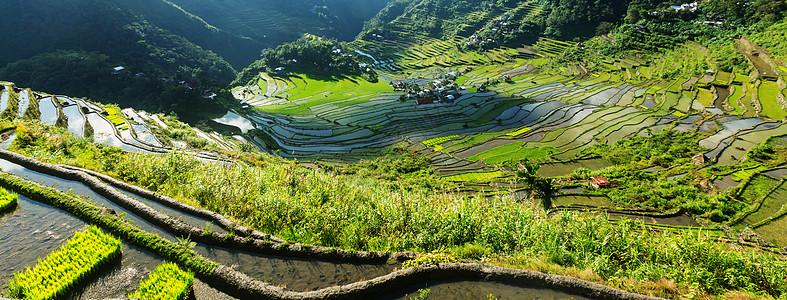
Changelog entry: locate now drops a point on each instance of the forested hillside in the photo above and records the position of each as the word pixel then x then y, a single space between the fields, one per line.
pixel 271 23
pixel 71 47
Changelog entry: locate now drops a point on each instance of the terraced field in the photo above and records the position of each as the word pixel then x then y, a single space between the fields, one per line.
pixel 130 130
pixel 536 115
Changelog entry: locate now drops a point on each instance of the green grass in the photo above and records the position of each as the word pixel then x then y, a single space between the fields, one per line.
pixel 167 282
pixel 353 102
pixel 757 188
pixel 472 140
pixel 770 107
pixel 746 99
pixel 8 200
pixel 774 231
pixel 81 256
pixel 475 176
pixel 771 205
pixel 289 108
pixel 309 91
pixel 705 97
pixel 596 201
pixel 743 174
pixel 514 152
pixel 733 99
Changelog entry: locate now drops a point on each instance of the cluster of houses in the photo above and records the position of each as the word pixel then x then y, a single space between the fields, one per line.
pixel 336 51
pixel 690 7
pixel 439 90
pixel 494 32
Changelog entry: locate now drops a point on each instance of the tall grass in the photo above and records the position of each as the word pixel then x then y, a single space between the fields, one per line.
pixel 351 212
pixel 361 213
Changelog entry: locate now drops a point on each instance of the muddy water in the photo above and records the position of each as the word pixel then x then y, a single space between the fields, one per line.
pixel 296 274
pixel 722 94
pixel 34 230
pixel 479 290
pixel 48 111
pixel 187 218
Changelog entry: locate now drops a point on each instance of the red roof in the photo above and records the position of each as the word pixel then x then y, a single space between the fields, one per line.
pixel 600 180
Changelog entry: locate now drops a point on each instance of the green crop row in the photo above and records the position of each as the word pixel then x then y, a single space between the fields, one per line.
pixel 116 120
pixel 62 269
pixel 7 200
pixel 439 140
pixel 166 282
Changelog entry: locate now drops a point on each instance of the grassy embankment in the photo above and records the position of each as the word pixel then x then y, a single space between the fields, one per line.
pixel 353 212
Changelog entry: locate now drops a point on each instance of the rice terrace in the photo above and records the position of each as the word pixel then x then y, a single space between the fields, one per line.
pixel 403 149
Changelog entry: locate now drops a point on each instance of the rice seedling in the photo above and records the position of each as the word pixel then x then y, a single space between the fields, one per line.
pixel 439 140
pixel 82 255
pixel 167 282
pixel 7 200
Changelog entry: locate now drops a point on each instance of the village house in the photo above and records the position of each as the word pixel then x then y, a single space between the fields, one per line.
pixel 119 70
pixel 599 182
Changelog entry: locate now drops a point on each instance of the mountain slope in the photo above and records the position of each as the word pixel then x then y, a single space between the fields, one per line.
pixel 271 23
pixel 113 28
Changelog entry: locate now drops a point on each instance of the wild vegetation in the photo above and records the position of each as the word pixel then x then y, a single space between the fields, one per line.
pixel 363 213
pixel 81 256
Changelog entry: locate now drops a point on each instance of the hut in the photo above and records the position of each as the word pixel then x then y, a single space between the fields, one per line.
pixel 599 182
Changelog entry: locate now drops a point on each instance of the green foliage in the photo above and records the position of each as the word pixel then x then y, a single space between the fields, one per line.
pixel 773 38
pixel 406 170
pixel 666 148
pixel 81 256
pixel 314 56
pixel 8 200
pixel 580 17
pixel 474 176
pixel 167 282
pixel 434 257
pixel 83 74
pixel 423 294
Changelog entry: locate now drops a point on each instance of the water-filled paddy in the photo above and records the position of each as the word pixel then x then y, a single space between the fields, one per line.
pixel 48 111
pixel 479 290
pixel 565 168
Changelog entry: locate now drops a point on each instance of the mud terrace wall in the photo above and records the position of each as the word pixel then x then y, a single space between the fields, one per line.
pixel 242 286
